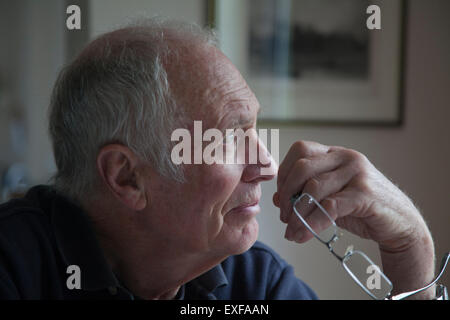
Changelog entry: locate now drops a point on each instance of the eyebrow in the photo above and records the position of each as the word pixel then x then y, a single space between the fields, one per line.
pixel 245 120
pixel 242 119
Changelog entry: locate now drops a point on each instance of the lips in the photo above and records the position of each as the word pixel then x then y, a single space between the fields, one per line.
pixel 249 203
pixel 245 205
pixel 245 200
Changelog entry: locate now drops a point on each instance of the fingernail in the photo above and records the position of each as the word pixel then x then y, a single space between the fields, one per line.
pixel 298 237
pixel 287 235
pixel 276 199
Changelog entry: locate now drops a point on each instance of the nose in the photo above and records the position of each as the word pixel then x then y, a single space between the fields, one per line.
pixel 266 167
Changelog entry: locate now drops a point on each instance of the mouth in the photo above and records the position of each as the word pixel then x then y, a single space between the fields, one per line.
pixel 250 208
pixel 246 205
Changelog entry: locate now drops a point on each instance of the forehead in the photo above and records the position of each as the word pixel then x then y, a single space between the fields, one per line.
pixel 210 87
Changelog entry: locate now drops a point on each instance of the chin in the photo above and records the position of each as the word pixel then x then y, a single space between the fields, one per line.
pixel 244 238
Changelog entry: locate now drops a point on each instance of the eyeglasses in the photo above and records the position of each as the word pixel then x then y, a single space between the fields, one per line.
pixel 357 264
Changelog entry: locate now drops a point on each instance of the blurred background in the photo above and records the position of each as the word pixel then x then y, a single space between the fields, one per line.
pixel 413 151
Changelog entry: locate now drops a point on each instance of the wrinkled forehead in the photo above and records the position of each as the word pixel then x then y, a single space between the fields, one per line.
pixel 209 86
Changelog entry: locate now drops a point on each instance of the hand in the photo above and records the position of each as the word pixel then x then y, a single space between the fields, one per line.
pixel 359 198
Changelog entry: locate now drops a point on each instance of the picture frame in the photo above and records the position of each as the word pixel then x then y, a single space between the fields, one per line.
pixel 362 87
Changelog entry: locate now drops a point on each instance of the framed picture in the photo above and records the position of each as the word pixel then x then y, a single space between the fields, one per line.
pixel 316 61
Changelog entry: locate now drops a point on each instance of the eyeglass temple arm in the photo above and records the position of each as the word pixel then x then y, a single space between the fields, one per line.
pixel 404 295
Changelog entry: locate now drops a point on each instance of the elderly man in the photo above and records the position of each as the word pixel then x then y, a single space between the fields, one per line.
pixel 136 226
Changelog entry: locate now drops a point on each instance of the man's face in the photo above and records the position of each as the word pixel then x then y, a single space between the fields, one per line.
pixel 214 211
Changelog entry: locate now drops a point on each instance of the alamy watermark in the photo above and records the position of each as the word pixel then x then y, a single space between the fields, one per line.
pixel 232 146
pixel 373 22
pixel 74 279
pixel 73 20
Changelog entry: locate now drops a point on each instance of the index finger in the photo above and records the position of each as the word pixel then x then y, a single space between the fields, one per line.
pixel 299 149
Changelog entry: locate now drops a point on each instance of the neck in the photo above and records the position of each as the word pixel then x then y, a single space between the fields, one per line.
pixel 149 268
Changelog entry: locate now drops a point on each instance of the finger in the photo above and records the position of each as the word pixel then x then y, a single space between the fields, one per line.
pixel 325 184
pixel 320 187
pixel 318 220
pixel 302 171
pixel 300 149
pixel 276 199
pixel 337 206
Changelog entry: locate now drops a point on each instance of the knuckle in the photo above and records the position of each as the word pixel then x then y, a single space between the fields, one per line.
pixel 300 145
pixel 331 206
pixel 313 186
pixel 358 160
pixel 332 149
pixel 363 183
pixel 301 148
pixel 303 165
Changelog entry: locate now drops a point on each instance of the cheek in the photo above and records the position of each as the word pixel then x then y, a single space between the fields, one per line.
pixel 221 180
pixel 204 201
pixel 217 190
pixel 228 233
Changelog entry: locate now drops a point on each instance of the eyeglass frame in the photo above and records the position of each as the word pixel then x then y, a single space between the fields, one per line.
pixel 440 288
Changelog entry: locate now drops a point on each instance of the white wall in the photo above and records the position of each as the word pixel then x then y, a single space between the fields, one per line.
pixel 415 156
pixel 34 33
pixel 32 56
pixel 43 56
pixel 6 80
pixel 107 14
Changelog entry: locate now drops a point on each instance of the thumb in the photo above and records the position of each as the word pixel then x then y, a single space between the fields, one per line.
pixel 276 199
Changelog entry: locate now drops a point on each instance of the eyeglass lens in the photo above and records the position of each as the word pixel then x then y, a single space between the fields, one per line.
pixel 359 266
pixel 367 275
pixel 315 218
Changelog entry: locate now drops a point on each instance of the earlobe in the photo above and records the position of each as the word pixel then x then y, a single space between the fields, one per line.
pixel 142 203
pixel 141 200
pixel 118 167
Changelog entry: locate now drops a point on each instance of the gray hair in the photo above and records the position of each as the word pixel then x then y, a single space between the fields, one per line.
pixel 117 91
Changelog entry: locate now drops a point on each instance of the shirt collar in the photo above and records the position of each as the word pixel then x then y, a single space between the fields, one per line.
pixel 212 279
pixel 76 241
pixel 202 287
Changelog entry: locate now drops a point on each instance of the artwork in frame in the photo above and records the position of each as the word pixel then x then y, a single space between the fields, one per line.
pixel 316 61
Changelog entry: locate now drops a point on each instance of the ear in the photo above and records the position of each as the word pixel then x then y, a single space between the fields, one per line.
pixel 121 170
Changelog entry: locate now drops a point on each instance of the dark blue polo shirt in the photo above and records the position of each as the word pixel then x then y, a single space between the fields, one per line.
pixel 44 233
